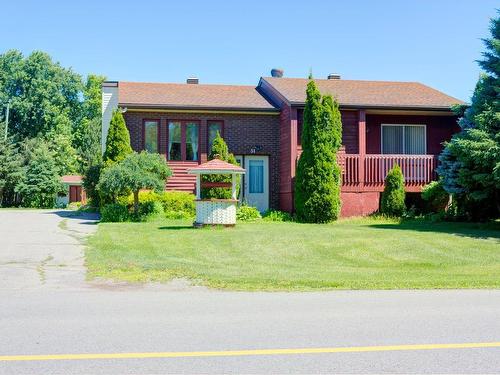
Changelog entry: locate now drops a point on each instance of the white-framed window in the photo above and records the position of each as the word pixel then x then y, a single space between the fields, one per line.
pixel 403 139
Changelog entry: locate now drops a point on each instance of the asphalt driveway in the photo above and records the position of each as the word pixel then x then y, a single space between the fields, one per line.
pixel 43 248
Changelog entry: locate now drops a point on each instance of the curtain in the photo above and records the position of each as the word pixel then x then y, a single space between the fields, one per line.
pixel 192 139
pixel 415 140
pixel 392 139
pixel 256 176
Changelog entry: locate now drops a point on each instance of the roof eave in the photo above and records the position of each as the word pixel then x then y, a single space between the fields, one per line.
pixel 386 107
pixel 197 108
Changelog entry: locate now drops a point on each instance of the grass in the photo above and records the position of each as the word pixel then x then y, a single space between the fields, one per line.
pixel 364 253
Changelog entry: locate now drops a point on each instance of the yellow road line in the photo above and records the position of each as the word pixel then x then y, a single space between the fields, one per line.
pixel 230 353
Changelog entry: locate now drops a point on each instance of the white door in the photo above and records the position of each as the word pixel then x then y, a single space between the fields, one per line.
pixel 257 181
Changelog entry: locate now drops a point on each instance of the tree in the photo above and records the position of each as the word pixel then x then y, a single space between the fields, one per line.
pixel 393 197
pixel 118 140
pixel 11 171
pixel 470 162
pixel 41 183
pixel 219 150
pixel 41 91
pixel 317 180
pixel 88 135
pixel 135 172
pixel 59 141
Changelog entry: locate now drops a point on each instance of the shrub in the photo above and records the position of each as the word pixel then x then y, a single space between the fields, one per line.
pixel 275 215
pixel 74 206
pixel 114 213
pixel 220 150
pixel 436 197
pixel 247 213
pixel 318 177
pixel 175 204
pixel 393 197
pixel 149 210
pixel 90 181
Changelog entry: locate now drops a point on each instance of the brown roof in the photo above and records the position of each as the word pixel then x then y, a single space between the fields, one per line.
pixel 71 179
pixel 366 93
pixel 216 165
pixel 192 96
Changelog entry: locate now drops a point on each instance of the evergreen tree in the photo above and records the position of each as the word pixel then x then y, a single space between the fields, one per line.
pixel 41 183
pixel 220 150
pixel 470 162
pixel 118 140
pixel 318 177
pixel 11 171
pixel 393 197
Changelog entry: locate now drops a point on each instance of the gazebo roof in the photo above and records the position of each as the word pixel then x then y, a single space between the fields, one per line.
pixel 216 166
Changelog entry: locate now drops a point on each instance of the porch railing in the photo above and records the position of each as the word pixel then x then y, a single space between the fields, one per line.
pixel 371 169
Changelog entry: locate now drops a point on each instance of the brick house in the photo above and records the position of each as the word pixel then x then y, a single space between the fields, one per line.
pixel 383 123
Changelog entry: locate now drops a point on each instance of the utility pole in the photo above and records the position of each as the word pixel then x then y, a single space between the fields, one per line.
pixel 7 120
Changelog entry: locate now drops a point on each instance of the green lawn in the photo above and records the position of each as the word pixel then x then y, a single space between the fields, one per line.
pixel 349 254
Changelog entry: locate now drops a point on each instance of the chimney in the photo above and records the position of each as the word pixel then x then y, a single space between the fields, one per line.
pixel 333 76
pixel 277 73
pixel 192 80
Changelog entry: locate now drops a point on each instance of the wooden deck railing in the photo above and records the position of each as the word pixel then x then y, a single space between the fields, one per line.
pixel 370 170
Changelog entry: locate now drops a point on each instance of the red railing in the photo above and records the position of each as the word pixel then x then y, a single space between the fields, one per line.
pixel 371 169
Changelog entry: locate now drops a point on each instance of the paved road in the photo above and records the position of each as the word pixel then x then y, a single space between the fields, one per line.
pixel 42 249
pixel 66 315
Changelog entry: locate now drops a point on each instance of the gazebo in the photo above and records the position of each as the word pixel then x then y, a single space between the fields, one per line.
pixel 216 211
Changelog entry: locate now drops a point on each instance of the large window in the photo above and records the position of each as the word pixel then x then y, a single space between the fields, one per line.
pixel 213 128
pixel 404 139
pixel 151 128
pixel 183 140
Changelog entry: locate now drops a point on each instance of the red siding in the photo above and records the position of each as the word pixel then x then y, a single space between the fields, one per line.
pixel 439 129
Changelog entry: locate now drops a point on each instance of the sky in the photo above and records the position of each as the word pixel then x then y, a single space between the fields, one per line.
pixel 435 42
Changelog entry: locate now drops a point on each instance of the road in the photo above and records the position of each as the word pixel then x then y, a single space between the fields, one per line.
pixel 180 329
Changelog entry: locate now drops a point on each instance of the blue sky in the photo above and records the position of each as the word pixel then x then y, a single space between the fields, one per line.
pixel 435 42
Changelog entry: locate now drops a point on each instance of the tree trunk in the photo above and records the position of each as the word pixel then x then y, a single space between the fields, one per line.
pixel 136 201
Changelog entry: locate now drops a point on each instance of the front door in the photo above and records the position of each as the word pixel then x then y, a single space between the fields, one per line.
pixel 256 181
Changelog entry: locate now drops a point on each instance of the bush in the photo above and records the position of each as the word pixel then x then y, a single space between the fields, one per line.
pixel 74 206
pixel 436 197
pixel 114 213
pixel 274 215
pixel 393 197
pixel 175 204
pixel 247 213
pixel 90 181
pixel 149 210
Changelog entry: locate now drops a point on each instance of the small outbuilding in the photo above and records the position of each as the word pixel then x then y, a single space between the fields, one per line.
pixel 216 211
pixel 73 190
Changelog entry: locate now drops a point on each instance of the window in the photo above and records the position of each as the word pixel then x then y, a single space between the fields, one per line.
pixel 404 139
pixel 174 141
pixel 151 135
pixel 213 128
pixel 191 141
pixel 256 176
pixel 183 140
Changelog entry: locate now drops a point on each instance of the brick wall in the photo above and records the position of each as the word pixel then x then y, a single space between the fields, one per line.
pixel 241 132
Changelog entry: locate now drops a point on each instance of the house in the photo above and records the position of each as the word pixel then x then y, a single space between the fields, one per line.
pixel 384 123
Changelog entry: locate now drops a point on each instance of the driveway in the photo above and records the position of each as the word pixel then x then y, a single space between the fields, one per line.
pixel 43 248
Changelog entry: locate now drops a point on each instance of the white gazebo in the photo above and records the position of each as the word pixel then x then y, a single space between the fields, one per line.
pixel 216 211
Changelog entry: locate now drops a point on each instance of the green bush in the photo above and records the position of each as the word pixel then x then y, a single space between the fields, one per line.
pixel 393 197
pixel 435 196
pixel 247 213
pixel 149 210
pixel 275 215
pixel 114 213
pixel 175 204
pixel 74 206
